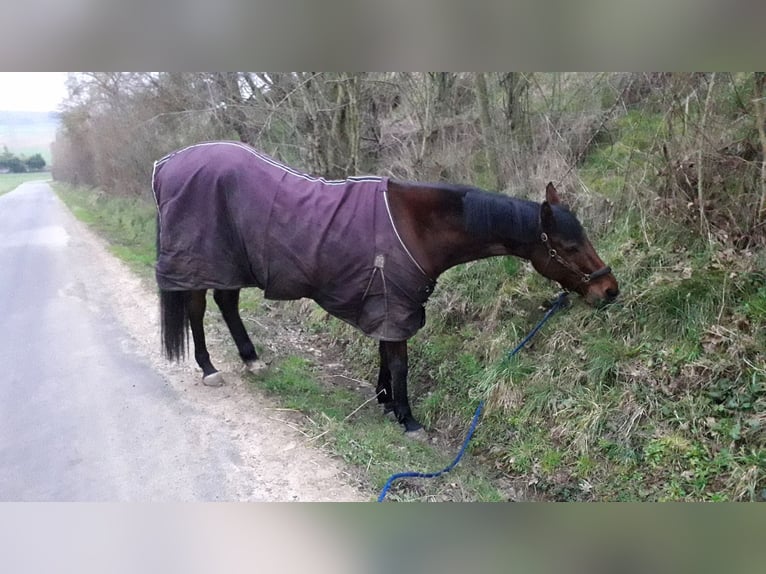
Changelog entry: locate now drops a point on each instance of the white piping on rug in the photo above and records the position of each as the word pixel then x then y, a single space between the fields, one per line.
pixel 154 193
pixel 278 165
pixel 396 232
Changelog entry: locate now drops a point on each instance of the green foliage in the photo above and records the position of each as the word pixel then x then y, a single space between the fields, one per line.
pixel 293 380
pixel 35 162
pixel 754 305
pixel 15 164
pixel 363 439
pixel 632 140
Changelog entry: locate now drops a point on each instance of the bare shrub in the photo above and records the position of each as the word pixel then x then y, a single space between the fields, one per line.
pixel 712 157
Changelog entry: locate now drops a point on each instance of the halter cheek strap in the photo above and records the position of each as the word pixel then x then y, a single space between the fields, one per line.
pixel 585 277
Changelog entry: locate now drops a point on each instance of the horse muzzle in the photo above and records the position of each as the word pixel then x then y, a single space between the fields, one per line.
pixel 605 292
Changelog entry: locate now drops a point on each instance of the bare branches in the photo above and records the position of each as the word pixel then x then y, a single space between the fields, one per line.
pixel 703 134
pixel 759 104
pixel 704 225
pixel 488 134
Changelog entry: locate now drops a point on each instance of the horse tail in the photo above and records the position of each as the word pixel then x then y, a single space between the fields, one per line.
pixel 174 321
pixel 174 317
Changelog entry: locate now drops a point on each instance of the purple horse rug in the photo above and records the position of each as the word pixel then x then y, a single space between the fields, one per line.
pixel 232 217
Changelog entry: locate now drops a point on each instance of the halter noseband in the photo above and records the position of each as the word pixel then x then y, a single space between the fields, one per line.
pixel 585 277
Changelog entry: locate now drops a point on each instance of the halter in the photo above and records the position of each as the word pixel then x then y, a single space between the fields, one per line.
pixel 585 277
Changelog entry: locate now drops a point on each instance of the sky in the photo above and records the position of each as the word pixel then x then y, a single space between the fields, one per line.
pixel 32 91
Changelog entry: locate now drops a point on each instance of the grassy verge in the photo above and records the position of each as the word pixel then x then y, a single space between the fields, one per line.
pixel 128 223
pixel 364 439
pixel 10 181
pixel 661 396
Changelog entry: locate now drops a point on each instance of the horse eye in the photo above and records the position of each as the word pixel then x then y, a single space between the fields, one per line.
pixel 571 249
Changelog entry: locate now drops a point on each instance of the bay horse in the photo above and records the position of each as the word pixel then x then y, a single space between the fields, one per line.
pixel 368 249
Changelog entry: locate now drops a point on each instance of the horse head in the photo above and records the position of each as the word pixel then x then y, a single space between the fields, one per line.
pixel 565 255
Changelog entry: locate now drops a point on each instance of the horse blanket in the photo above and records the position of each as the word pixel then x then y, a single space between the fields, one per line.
pixel 231 217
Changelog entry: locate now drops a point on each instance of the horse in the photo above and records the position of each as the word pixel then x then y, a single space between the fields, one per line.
pixel 369 250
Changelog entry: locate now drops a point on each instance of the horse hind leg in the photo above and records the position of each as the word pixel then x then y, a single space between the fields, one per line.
pixel 196 308
pixel 228 302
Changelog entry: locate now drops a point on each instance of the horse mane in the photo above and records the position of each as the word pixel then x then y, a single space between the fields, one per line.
pixel 493 216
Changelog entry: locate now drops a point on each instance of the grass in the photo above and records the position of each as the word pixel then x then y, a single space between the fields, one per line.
pixel 10 181
pixel 632 141
pixel 366 440
pixel 128 223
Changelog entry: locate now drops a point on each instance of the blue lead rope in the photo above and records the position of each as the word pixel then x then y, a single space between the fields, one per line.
pixel 446 469
pixel 559 303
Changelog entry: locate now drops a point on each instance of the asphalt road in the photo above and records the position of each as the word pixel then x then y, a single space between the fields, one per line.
pixel 83 413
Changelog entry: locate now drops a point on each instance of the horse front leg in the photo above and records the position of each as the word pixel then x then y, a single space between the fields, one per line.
pixel 395 353
pixel 383 390
pixel 197 305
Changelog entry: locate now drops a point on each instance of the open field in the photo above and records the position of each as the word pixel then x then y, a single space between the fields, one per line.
pixel 28 133
pixel 10 181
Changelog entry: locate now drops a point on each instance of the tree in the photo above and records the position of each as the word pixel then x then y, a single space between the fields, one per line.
pixel 487 130
pixel 35 162
pixel 15 165
pixel 11 162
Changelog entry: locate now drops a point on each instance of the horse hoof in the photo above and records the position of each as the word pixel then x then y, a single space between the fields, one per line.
pixel 418 435
pixel 213 380
pixel 256 367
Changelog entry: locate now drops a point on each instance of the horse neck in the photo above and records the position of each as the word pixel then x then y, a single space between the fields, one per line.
pixel 431 221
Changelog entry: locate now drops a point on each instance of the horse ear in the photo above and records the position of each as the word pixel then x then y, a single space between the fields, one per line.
pixel 547 220
pixel 551 195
